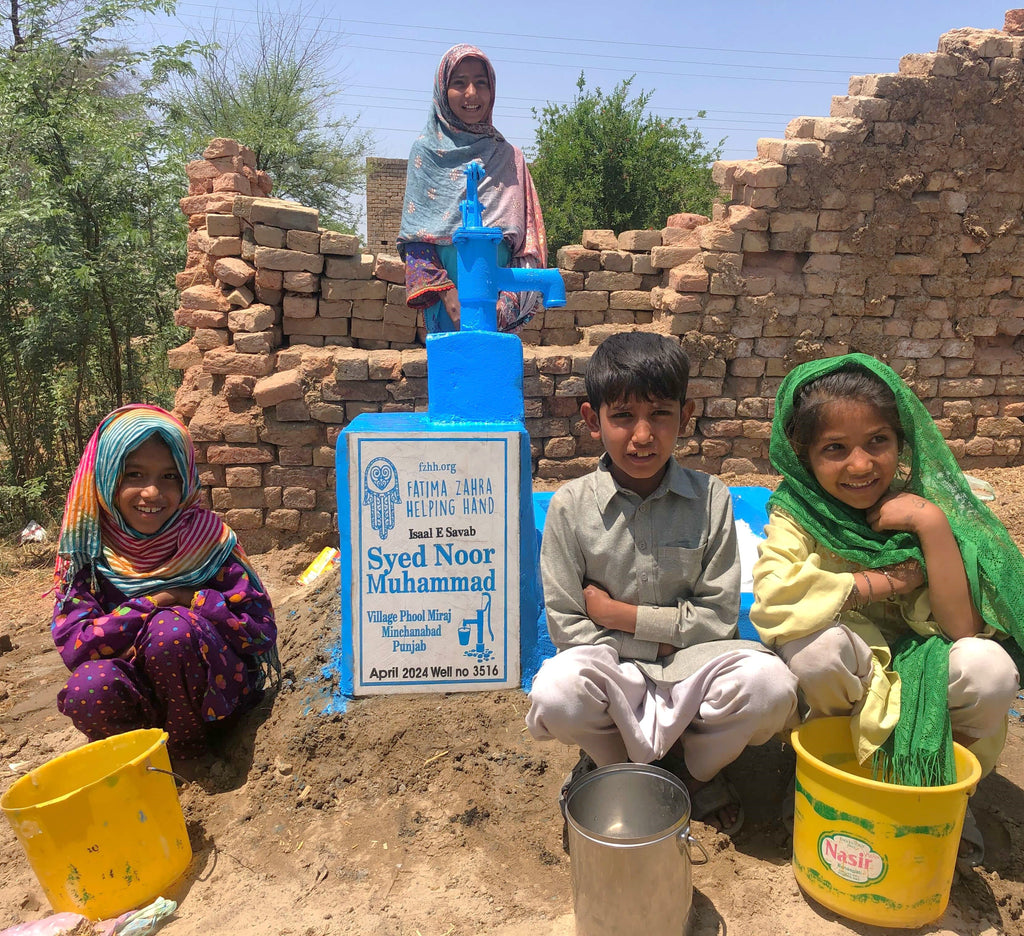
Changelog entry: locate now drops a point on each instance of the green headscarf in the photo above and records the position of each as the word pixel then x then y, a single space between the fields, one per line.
pixel 992 561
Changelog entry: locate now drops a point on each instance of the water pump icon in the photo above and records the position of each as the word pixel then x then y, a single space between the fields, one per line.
pixel 479 652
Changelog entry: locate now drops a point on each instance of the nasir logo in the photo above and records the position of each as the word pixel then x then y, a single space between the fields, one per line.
pixel 850 858
pixel 380 494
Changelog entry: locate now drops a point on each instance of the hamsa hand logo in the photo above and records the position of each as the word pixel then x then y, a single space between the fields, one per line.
pixel 380 494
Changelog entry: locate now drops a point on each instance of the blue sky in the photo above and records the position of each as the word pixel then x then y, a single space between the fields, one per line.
pixel 751 66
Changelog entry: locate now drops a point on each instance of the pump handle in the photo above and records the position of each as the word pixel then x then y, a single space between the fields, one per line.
pixel 472 215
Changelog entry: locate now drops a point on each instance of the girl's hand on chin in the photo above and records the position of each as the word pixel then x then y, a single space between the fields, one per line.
pixel 903 511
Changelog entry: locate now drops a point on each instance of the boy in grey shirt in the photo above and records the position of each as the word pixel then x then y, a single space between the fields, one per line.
pixel 641 584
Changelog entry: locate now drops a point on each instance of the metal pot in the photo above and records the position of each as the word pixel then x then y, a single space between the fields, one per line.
pixel 629 847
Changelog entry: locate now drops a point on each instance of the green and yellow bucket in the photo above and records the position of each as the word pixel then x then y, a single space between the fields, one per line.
pixel 102 826
pixel 874 852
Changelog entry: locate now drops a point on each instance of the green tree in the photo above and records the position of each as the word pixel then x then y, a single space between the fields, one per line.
pixel 604 162
pixel 90 239
pixel 273 90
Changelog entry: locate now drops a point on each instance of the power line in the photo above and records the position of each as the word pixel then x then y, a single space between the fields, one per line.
pixel 508 112
pixel 514 112
pixel 503 115
pixel 499 60
pixel 629 58
pixel 422 27
pixel 616 42
pixel 640 61
pixel 733 152
pixel 671 74
pixel 644 72
pixel 510 97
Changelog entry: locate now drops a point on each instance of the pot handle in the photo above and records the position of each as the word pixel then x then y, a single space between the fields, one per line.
pixel 685 840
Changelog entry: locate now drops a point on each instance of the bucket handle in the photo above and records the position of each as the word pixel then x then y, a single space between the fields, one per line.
pixel 685 840
pixel 170 773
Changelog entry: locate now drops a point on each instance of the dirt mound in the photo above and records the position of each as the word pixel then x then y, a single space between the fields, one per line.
pixel 432 814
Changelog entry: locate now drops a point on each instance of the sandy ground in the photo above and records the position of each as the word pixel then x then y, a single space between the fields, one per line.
pixel 433 815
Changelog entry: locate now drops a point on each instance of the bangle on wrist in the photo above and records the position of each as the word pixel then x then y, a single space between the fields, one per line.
pixel 855 602
pixel 892 584
pixel 871 591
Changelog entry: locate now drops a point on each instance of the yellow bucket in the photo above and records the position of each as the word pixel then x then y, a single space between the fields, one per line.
pixel 875 852
pixel 101 825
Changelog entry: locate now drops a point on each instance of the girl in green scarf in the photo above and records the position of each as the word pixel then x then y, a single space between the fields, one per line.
pixel 882 576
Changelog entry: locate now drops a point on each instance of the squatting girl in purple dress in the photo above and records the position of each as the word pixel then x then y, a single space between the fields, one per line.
pixel 159 615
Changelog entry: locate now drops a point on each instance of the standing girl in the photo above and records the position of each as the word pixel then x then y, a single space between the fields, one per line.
pixel 159 616
pixel 458 131
pixel 883 580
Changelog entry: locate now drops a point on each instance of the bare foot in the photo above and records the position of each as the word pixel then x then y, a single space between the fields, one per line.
pixel 725 816
pixel 713 801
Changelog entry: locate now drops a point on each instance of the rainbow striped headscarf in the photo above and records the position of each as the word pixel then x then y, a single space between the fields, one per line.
pixel 186 551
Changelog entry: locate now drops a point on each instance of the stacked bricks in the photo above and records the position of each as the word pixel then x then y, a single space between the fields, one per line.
pixel 261 273
pixel 608 281
pixel 216 281
pixel 385 195
pixel 891 227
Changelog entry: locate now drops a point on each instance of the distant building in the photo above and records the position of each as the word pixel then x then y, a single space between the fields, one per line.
pixel 385 192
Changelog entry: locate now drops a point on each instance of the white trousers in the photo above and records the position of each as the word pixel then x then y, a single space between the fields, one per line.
pixel 586 696
pixel 834 670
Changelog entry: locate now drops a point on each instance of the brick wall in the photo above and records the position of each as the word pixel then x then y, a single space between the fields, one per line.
pixel 891 226
pixel 385 193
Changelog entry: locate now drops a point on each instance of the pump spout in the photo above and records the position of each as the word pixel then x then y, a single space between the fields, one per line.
pixel 548 283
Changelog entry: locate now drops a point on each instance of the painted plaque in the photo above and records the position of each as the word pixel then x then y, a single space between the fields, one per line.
pixel 435 561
